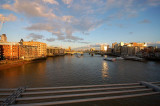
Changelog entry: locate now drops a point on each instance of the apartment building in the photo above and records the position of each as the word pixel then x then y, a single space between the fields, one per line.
pixel 41 47
pixel 9 50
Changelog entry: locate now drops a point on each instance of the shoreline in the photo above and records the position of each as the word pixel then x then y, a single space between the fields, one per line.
pixel 13 63
pixel 7 64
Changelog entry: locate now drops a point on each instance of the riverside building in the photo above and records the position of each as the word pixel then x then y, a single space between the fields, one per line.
pixel 21 50
pixel 3 38
pixel 28 52
pixel 41 47
pixel 55 51
pixel 9 50
pixel 128 48
pixel 104 47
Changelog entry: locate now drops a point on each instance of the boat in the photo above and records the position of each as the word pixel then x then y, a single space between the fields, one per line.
pixel 134 58
pixel 110 59
pixel 77 55
pixel 119 58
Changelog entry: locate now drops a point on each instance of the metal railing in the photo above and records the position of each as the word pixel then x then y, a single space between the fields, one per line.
pixel 77 94
pixel 12 98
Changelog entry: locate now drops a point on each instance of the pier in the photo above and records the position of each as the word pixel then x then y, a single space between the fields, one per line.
pixel 75 94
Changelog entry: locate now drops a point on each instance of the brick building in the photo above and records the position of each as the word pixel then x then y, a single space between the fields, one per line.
pixel 28 52
pixel 1 52
pixel 41 47
pixel 9 50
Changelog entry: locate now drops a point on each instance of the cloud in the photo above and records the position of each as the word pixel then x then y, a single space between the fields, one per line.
pixel 82 16
pixel 47 27
pixel 67 1
pixel 69 40
pixel 59 35
pixel 158 42
pixel 96 46
pixel 154 44
pixel 41 27
pixel 30 8
pixel 10 17
pixel 87 47
pixel 84 42
pixel 67 18
pixel 69 35
pixel 50 39
pixel 8 7
pixel 75 38
pixel 53 28
pixel 85 33
pixel 145 21
pixel 51 2
pixel 33 36
pixel 153 2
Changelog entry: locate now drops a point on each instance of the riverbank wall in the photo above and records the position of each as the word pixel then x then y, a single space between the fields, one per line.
pixel 6 64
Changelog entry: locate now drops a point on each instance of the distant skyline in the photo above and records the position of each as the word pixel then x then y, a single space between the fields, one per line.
pixel 81 23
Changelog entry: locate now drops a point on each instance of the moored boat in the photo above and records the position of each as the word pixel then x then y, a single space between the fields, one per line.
pixel 110 59
pixel 134 58
pixel 119 58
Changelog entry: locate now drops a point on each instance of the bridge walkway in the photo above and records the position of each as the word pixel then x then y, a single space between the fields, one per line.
pixel 77 94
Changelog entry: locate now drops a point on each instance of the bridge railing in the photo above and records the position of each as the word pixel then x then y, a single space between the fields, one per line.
pixel 82 93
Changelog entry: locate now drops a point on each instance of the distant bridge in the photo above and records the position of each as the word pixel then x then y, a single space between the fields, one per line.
pixel 73 52
pixel 76 94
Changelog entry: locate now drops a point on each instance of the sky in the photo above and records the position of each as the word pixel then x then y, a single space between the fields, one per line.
pixel 81 23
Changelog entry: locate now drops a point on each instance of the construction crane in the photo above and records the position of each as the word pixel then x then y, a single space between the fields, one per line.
pixel 2 19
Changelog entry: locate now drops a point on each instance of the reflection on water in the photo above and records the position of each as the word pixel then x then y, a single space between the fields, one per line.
pixel 104 69
pixel 70 70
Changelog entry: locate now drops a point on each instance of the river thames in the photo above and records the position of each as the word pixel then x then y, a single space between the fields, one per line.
pixel 86 70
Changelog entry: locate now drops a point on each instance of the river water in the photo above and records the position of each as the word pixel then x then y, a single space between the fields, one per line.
pixel 70 70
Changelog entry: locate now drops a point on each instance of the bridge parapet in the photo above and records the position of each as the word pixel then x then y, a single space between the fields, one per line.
pixel 77 94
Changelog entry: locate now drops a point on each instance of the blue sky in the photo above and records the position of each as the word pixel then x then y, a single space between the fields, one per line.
pixel 79 23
